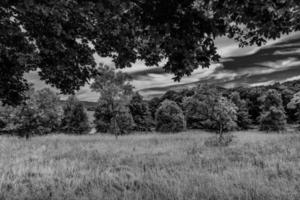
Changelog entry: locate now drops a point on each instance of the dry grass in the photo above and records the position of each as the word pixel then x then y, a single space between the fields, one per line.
pixel 256 166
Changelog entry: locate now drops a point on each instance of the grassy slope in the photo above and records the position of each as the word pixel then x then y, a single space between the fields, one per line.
pixel 257 166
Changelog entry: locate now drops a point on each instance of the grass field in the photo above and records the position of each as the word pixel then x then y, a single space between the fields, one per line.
pixel 256 166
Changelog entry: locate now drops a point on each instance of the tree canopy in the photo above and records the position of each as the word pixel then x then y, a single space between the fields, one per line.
pixel 59 38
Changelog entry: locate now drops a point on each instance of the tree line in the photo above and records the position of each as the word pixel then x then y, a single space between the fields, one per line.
pixel 120 110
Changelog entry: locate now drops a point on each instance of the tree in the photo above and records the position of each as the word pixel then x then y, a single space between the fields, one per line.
pixel 294 104
pixel 252 96
pixel 103 115
pixel 49 109
pixel 153 106
pixel 243 118
pixel 192 110
pixel 5 115
pixel 273 117
pixel 140 113
pixel 39 114
pixel 115 92
pixel 223 116
pixel 124 121
pixel 169 118
pixel 286 95
pixel 211 110
pixel 60 37
pixel 75 119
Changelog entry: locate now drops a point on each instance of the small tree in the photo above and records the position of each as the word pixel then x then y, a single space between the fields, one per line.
pixel 224 116
pixel 273 117
pixel 115 91
pixel 75 119
pixel 140 113
pixel 243 117
pixel 169 117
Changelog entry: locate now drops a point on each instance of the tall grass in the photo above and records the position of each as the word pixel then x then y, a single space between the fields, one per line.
pixel 257 166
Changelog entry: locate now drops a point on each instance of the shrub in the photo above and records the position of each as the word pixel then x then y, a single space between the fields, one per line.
pixel 169 117
pixel 75 118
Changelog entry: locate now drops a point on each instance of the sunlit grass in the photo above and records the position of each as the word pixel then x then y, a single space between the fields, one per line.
pixel 152 166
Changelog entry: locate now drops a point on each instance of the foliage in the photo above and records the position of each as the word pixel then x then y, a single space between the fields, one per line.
pixel 103 115
pixel 40 113
pixel 115 91
pixel 140 113
pixel 243 118
pixel 169 117
pixel 192 110
pixel 252 95
pixel 105 121
pixel 5 116
pixel 75 120
pixel 124 121
pixel 211 110
pixel 153 105
pixel 60 37
pixel 273 117
pixel 294 104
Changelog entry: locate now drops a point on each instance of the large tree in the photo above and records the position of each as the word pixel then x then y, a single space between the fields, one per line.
pixel 59 38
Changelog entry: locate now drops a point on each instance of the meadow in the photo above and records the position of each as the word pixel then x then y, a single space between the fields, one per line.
pixel 256 166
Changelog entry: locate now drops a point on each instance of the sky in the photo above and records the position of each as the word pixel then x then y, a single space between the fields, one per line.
pixel 277 61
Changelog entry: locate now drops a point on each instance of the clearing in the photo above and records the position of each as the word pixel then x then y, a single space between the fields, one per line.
pixel 153 166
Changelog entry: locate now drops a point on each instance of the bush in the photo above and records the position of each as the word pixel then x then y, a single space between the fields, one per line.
pixel 75 118
pixel 169 117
